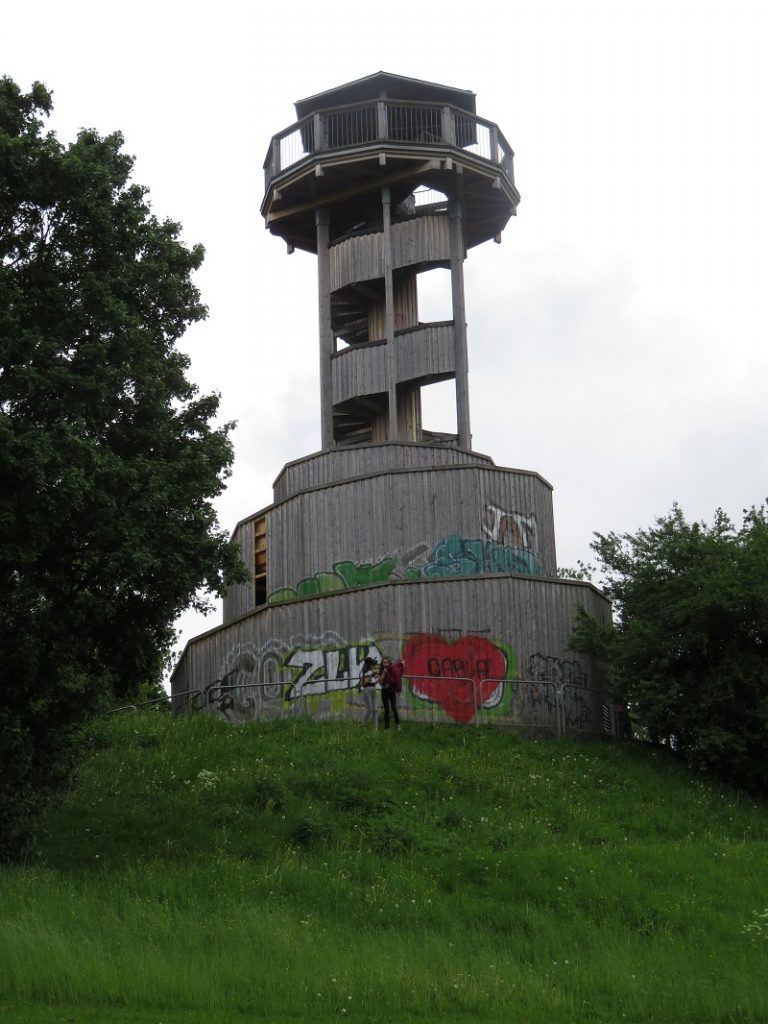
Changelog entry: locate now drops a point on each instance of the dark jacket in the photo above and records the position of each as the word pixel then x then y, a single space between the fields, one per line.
pixel 392 677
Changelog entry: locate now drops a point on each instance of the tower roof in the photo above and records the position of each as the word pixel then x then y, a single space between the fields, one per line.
pixel 384 85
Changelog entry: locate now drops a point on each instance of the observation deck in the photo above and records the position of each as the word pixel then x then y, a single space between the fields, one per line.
pixel 386 131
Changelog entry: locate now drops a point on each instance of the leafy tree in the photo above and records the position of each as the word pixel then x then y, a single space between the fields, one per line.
pixel 108 459
pixel 689 648
pixel 583 571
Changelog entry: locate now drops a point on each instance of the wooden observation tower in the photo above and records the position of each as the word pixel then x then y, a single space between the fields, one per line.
pixel 393 539
pixel 383 179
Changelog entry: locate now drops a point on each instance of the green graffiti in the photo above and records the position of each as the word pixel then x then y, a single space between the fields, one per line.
pixel 453 556
pixel 359 575
pixel 320 583
pixel 345 576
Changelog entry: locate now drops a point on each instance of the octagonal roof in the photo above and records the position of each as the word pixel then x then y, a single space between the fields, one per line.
pixel 383 85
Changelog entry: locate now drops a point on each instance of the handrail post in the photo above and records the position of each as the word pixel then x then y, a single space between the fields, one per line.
pixel 318 142
pixel 494 134
pixel 381 119
pixel 275 155
pixel 447 125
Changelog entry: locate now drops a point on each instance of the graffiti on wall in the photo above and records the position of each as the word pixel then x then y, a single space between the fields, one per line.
pixel 254 679
pixel 509 544
pixel 460 676
pixel 560 671
pixel 459 556
pixel 348 575
pixel 515 529
pixel 554 685
pixel 249 685
pixel 326 668
pixel 449 675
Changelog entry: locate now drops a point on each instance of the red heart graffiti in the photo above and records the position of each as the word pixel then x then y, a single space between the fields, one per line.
pixel 459 675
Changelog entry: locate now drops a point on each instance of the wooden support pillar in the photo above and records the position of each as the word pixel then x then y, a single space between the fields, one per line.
pixel 327 340
pixel 461 361
pixel 389 316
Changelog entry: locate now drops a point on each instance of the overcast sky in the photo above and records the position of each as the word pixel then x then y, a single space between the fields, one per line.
pixel 617 337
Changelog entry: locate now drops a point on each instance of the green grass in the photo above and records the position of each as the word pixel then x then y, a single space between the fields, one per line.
pixel 298 871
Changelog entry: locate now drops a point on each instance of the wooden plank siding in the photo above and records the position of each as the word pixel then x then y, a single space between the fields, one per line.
pixel 359 371
pixel 394 515
pixel 517 626
pixel 239 599
pixel 424 354
pixel 395 506
pixel 421 240
pixel 406 303
pixel 336 465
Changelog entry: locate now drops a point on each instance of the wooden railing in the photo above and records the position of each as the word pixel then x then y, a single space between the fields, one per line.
pixel 397 122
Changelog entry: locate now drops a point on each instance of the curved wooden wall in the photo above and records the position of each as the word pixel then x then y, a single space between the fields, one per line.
pixel 421 240
pixel 509 627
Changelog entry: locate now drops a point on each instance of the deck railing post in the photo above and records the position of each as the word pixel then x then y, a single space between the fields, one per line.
pixel 494 138
pixel 448 126
pixel 381 119
pixel 317 131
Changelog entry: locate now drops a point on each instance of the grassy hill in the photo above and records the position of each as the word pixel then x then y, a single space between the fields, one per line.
pixel 303 871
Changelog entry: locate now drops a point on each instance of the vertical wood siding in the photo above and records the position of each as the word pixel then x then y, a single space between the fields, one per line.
pixel 406 302
pixel 395 514
pixel 423 354
pixel 239 598
pixel 337 465
pixel 392 522
pixel 422 240
pixel 523 623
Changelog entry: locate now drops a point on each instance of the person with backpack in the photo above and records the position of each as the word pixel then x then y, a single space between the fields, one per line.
pixel 391 681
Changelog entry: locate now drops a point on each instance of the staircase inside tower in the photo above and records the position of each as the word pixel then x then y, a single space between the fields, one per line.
pixel 358 317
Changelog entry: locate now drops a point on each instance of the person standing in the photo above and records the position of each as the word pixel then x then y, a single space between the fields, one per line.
pixel 367 686
pixel 391 681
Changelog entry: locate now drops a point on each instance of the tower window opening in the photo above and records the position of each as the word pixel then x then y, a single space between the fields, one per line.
pixel 260 561
pixel 425 196
pixel 435 299
pixel 438 407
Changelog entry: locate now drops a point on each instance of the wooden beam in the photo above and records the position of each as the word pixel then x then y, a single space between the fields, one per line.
pixel 346 193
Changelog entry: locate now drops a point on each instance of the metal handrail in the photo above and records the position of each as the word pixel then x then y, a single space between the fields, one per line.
pixel 201 698
pixel 401 122
pixel 143 703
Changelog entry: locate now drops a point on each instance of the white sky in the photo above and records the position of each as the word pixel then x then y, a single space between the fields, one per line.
pixel 617 337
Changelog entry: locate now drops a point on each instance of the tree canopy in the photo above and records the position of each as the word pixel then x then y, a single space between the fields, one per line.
pixel 689 647
pixel 109 459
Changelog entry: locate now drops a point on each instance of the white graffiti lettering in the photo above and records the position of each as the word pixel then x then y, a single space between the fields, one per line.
pixel 318 671
pixel 510 528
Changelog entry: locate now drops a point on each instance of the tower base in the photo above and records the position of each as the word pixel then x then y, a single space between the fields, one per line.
pixel 416 551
